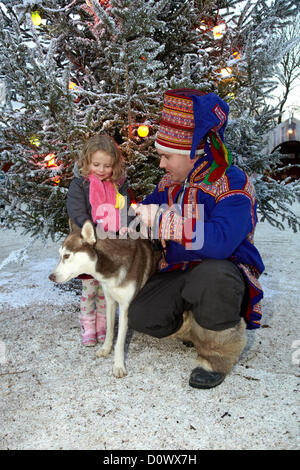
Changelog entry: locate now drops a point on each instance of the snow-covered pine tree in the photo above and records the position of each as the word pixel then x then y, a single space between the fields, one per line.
pixel 103 65
pixel 254 34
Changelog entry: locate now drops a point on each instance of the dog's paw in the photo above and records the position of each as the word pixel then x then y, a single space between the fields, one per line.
pixel 119 371
pixel 103 352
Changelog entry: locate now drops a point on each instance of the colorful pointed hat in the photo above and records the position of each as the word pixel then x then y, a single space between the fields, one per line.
pixel 192 121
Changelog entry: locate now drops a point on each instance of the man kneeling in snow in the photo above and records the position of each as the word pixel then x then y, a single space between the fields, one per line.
pixel 207 286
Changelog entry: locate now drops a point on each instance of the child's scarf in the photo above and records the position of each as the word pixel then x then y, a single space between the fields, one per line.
pixel 103 199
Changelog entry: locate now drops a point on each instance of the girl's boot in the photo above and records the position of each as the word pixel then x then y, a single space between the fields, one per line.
pixel 88 329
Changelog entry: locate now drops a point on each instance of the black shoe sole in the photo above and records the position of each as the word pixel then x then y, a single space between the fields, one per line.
pixel 203 379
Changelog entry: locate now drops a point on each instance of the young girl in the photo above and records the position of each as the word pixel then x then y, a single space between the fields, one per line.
pixel 102 176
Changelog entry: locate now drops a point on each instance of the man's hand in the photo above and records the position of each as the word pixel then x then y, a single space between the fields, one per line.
pixel 124 230
pixel 147 213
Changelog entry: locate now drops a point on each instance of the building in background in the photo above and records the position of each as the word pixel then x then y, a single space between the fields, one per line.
pixel 286 138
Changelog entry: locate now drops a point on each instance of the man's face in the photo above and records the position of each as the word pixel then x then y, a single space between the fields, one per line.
pixel 176 165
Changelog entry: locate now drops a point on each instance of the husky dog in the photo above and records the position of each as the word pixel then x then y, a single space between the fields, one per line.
pixel 121 265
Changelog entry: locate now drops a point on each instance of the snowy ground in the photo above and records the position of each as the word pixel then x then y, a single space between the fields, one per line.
pixel 56 395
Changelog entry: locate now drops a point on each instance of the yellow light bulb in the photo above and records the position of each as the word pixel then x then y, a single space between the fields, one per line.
pixel 73 86
pixel 226 72
pixel 36 19
pixel 56 180
pixel 219 30
pixel 35 140
pixel 143 130
pixel 50 160
pixel 236 55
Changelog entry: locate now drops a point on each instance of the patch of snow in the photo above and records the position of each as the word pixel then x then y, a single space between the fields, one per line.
pixel 34 288
pixel 57 395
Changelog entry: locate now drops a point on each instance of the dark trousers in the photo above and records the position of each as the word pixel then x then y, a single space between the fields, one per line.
pixel 213 290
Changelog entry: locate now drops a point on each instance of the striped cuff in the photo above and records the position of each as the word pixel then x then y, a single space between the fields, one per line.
pixel 170 226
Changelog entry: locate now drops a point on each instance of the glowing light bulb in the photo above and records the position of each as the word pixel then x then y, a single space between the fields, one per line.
pixel 226 72
pixel 236 54
pixel 56 180
pixel 219 30
pixel 73 86
pixel 50 160
pixel 36 19
pixel 143 130
pixel 35 140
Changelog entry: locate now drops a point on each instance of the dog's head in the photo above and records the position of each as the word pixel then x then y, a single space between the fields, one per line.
pixel 77 255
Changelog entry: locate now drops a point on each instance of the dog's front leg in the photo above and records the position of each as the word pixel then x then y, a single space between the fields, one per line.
pixel 119 369
pixel 110 323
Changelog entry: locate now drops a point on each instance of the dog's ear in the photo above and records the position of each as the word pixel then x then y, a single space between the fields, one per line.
pixel 72 226
pixel 88 233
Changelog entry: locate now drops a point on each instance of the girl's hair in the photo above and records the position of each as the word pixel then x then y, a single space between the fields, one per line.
pixel 106 144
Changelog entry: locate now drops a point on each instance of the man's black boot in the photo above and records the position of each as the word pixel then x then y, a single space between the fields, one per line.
pixel 201 378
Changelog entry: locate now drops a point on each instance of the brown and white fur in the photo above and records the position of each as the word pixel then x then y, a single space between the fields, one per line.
pixel 121 265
